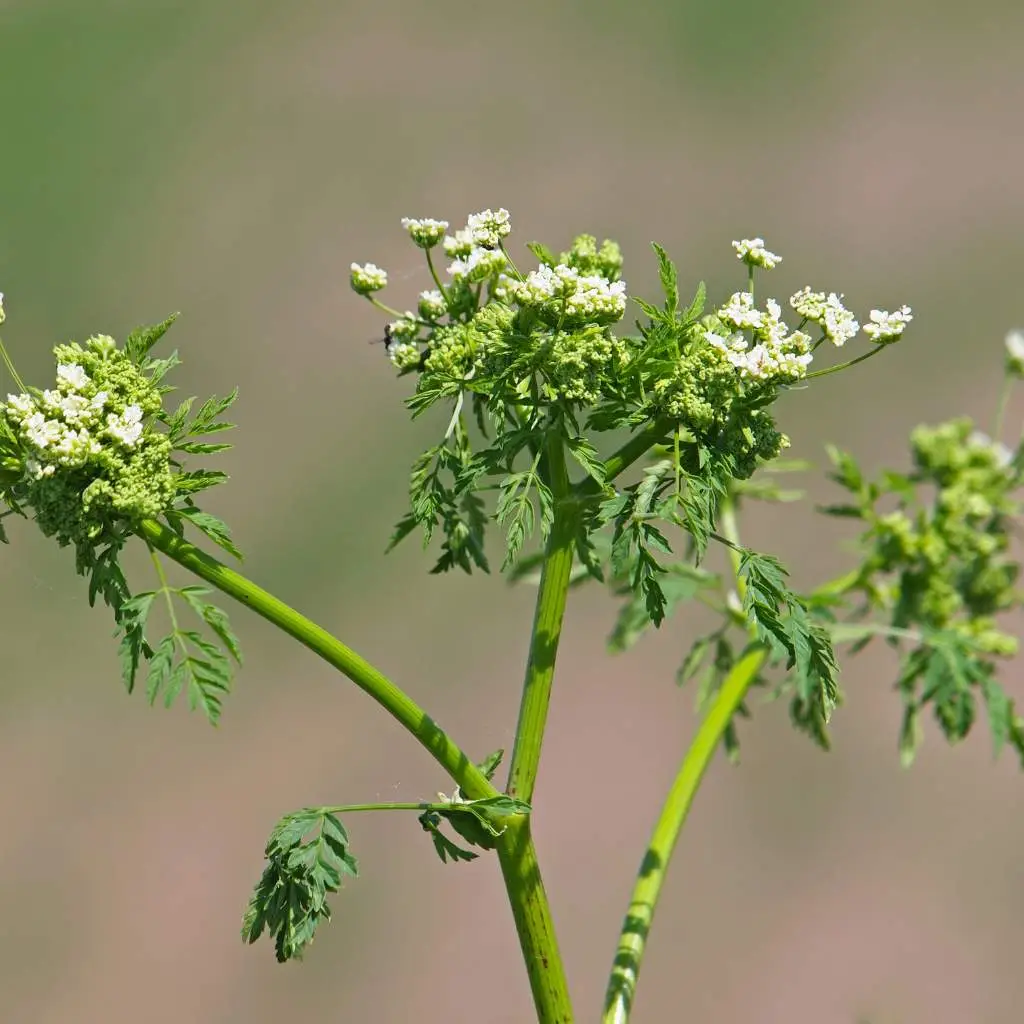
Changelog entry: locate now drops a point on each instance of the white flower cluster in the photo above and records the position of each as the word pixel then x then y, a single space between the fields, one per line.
pixel 367 278
pixel 838 323
pixel 65 427
pixel 488 227
pixel 1001 455
pixel 564 291
pixel 432 305
pixel 885 328
pixel 1014 353
pixel 404 354
pixel 400 341
pixel 776 354
pixel 479 264
pixel 459 245
pixel 405 329
pixel 752 252
pixel 425 231
pixel 474 249
pixel 741 313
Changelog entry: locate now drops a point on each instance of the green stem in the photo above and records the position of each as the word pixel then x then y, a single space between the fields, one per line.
pixel 635 448
pixel 516 851
pixel 8 362
pixel 353 808
pixel 547 626
pixel 654 866
pixel 433 274
pixel 401 707
pixel 1000 416
pixel 172 615
pixel 534 924
pixel 846 365
pixel 730 530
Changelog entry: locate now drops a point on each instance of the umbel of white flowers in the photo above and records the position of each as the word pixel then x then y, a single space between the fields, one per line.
pixel 582 292
pixel 87 457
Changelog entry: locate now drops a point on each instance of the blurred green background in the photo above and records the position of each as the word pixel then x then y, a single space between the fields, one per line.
pixel 230 160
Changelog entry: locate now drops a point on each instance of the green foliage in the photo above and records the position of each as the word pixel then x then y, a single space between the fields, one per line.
pixel 184 659
pixel 95 456
pixel 307 859
pixel 938 567
pixel 780 619
pixel 525 357
pixel 679 582
pixel 478 822
pixel 537 384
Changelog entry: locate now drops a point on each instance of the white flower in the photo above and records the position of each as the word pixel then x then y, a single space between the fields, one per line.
pixel 1015 353
pixel 367 278
pixel 810 305
pixel 74 407
pixel 20 406
pixel 404 354
pixel 736 342
pixel 739 311
pixel 99 400
pixel 776 357
pixel 126 428
pixel 478 265
pixel 488 227
pixel 38 470
pixel 885 328
pixel 405 329
pixel 42 432
pixel 425 232
pixel 752 252
pixel 432 305
pixel 459 245
pixel 839 323
pixel 1002 455
pixel 75 447
pixel 3 315
pixel 563 290
pixel 73 376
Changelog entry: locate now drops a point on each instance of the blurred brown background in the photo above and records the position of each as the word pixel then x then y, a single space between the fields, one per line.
pixel 230 160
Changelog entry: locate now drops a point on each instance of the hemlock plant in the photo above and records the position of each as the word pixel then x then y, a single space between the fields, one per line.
pixel 601 456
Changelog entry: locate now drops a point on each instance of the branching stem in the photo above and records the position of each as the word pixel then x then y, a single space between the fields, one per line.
pixel 396 702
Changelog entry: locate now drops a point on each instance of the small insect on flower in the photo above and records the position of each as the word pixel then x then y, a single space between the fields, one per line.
pixel 403 354
pixel 387 341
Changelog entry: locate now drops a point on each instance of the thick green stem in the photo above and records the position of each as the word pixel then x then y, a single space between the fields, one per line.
pixel 547 627
pixel 516 850
pixel 654 866
pixel 534 924
pixel 398 704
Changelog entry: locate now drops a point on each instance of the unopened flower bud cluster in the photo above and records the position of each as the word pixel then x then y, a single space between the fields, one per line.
pixel 86 453
pixel 950 567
